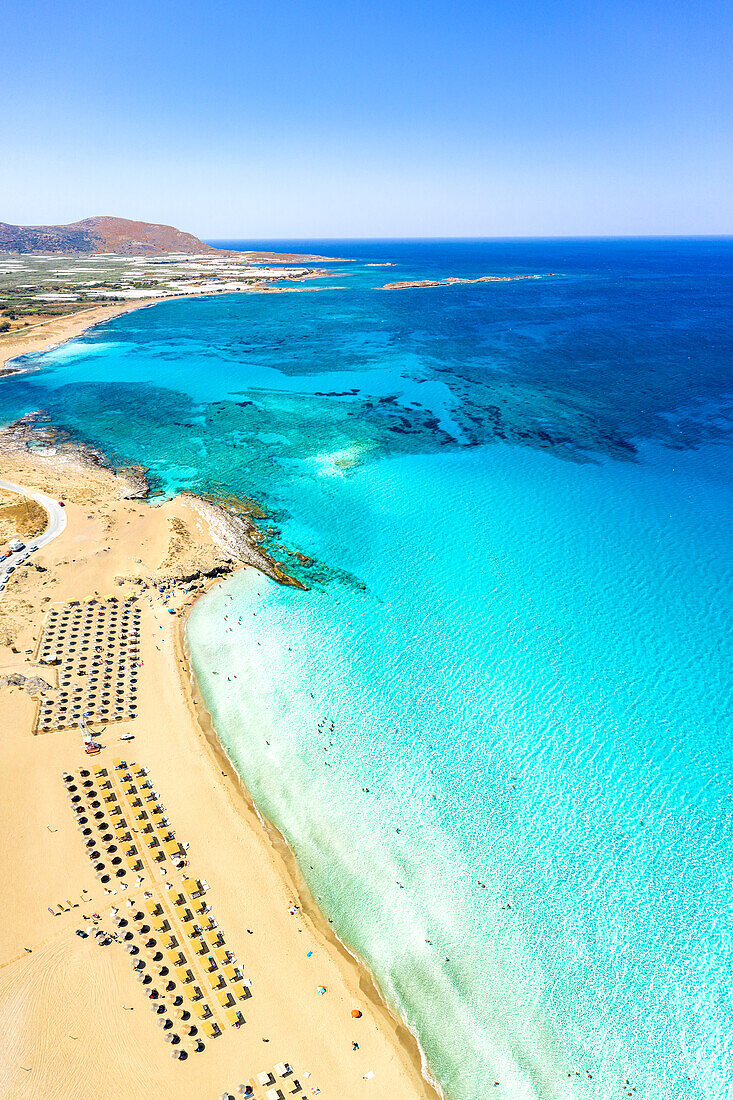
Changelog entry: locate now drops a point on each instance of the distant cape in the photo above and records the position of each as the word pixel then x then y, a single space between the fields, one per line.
pixel 104 234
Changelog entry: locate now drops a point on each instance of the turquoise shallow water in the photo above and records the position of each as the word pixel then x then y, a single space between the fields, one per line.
pixel 529 691
pixel 499 723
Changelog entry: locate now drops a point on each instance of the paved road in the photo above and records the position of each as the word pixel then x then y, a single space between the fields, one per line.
pixel 56 524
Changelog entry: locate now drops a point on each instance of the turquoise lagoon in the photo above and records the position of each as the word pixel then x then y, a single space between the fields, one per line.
pixel 497 728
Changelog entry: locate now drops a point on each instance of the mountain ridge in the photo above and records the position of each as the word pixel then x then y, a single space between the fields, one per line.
pixel 102 234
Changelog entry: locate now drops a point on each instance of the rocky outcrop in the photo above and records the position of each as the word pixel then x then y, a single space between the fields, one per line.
pixel 32 684
pixel 33 433
pixel 239 537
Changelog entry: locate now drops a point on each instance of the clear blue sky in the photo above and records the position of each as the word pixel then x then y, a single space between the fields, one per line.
pixel 379 118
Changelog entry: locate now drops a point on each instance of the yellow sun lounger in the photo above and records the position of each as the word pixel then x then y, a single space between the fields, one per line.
pixel 202 1010
pixel 224 998
pixel 234 1017
pixel 211 1028
pixel 230 973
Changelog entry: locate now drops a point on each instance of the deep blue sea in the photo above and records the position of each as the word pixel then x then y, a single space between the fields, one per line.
pixel 497 728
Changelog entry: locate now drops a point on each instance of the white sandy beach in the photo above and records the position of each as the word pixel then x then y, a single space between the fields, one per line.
pixel 76 1023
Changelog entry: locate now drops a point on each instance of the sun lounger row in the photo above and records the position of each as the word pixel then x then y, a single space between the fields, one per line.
pixel 97 832
pixel 195 951
pixel 148 814
pixel 221 974
pixel 171 988
pixel 276 1084
pixel 95 646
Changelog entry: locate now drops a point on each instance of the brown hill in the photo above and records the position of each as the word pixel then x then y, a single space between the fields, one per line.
pixel 101 235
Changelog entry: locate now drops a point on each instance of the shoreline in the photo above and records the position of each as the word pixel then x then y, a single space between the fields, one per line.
pixel 291 872
pixel 354 971
pixel 14 345
pixel 69 326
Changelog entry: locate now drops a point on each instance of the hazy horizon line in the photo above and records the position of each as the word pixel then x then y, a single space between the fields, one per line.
pixel 508 237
